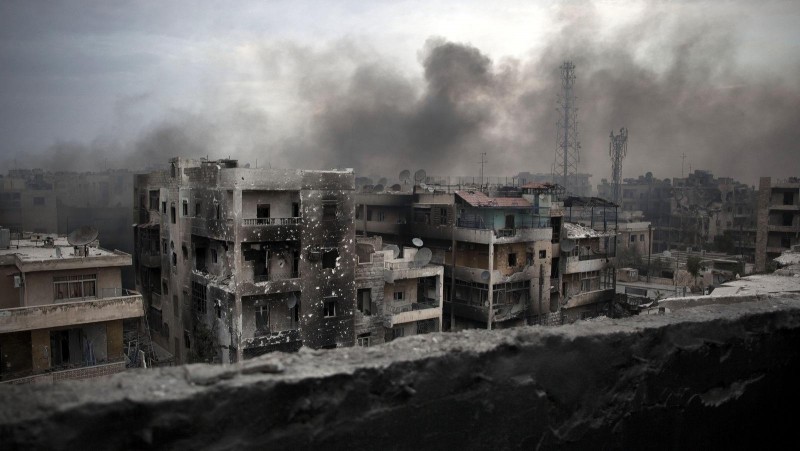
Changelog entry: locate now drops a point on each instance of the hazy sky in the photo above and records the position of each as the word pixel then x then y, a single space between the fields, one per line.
pixel 380 86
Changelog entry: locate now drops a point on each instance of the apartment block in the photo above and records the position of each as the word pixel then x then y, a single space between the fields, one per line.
pixel 62 309
pixel 396 295
pixel 778 226
pixel 234 262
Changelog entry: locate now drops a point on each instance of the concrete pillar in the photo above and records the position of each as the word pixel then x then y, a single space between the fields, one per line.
pixel 490 291
pixel 40 350
pixel 236 321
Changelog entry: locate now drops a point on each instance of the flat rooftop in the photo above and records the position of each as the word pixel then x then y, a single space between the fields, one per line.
pixel 27 251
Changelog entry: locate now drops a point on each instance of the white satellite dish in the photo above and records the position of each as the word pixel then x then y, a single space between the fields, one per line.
pixel 417 242
pixel 567 245
pixel 391 247
pixel 667 254
pixel 486 275
pixel 423 256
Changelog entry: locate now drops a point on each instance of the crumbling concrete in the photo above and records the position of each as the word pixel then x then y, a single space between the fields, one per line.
pixel 721 375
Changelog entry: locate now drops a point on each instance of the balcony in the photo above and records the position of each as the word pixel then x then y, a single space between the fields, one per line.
pixel 590 297
pixel 502 236
pixel 64 314
pixel 271 229
pixel 253 222
pixel 586 263
pixel 412 312
pixel 276 275
pixel 67 372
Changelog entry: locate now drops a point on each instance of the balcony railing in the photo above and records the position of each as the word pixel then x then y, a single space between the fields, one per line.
pixel 54 371
pixel 270 221
pixel 594 256
pixel 102 293
pixel 276 275
pixel 428 303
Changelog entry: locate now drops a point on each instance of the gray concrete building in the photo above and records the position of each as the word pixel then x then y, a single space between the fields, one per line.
pixel 234 262
pixel 778 226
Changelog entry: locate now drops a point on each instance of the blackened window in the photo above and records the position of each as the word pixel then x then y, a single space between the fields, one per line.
pixel 172 213
pixel 329 258
pixel 198 209
pixel 542 254
pixel 364 302
pixel 185 208
pixel 512 259
pixel 213 255
pixel 328 209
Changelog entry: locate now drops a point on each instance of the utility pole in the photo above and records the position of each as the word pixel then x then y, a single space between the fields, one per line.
pixel 483 161
pixel 683 159
pixel 649 248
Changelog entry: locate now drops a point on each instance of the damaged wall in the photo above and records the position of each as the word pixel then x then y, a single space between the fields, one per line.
pixel 710 376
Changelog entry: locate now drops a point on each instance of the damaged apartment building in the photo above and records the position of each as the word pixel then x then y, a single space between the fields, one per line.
pixel 496 248
pixel 234 262
pixel 396 295
pixel 63 311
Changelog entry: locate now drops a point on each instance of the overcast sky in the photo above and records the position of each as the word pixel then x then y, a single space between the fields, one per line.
pixel 384 85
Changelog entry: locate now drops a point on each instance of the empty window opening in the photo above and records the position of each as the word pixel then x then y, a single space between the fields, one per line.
pixel 213 255
pixel 164 207
pixel 262 211
pixel 199 297
pixel 329 210
pixel 442 216
pixel 512 259
pixel 329 310
pixel 172 213
pixel 543 254
pixel 185 208
pixel 198 209
pixel 295 209
pixel 364 302
pixel 788 198
pixel 330 258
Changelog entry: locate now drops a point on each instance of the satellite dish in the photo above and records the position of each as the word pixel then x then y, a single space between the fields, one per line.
pixel 377 188
pixel 417 242
pixel 667 254
pixel 396 187
pixel 423 256
pixel 567 245
pixel 486 275
pixel 382 181
pixel 420 176
pixel 291 302
pixel 82 236
pixel 405 175
pixel 391 247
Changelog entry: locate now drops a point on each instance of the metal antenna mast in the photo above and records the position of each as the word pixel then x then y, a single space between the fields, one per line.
pixel 483 161
pixel 683 159
pixel 617 149
pixel 568 147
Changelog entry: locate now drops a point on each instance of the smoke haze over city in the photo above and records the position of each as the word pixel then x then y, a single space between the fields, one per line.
pixel 395 85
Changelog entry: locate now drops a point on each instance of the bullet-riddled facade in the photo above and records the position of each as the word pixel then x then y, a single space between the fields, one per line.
pixel 235 262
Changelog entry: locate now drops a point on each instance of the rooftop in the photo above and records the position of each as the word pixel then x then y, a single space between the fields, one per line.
pixel 577 231
pixel 27 252
pixel 781 281
pixel 478 199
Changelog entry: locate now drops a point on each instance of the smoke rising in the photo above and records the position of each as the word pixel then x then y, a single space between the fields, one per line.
pixel 676 83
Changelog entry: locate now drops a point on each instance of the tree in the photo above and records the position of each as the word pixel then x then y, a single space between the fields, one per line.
pixel 694 266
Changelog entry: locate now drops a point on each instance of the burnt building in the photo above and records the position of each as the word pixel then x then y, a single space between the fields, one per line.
pixel 778 219
pixel 234 262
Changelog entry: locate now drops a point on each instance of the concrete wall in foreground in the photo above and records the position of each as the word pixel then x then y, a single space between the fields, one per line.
pixel 718 376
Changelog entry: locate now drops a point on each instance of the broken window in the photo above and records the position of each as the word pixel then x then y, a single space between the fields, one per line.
pixel 398 332
pixel 512 259
pixel 184 252
pixel 218 212
pixel 198 209
pixel 164 207
pixel 186 340
pixel 172 213
pixel 788 198
pixel 199 297
pixel 364 303
pixel 200 259
pixel 328 209
pixel 213 255
pixel 543 254
pixel 787 219
pixel 399 295
pixel 295 209
pixel 529 258
pixel 164 246
pixel 262 211
pixel 185 208
pixel 262 320
pixel 442 216
pixel 153 195
pixel 363 340
pixel 633 238
pixel 329 309
pixel 329 258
